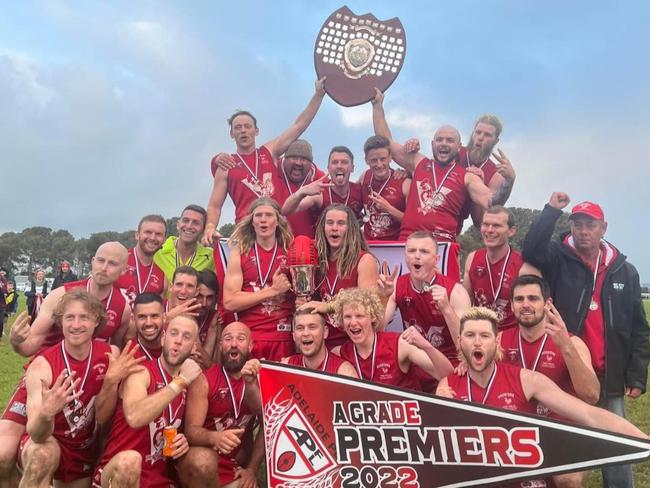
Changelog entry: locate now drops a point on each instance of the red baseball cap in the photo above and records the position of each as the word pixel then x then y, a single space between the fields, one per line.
pixel 589 209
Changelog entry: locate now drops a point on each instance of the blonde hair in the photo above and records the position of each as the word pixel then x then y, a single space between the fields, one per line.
pixel 93 306
pixel 492 120
pixel 352 244
pixel 482 313
pixel 359 297
pixel 243 237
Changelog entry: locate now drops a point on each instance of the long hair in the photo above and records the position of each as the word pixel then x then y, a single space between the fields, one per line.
pixel 243 237
pixel 353 242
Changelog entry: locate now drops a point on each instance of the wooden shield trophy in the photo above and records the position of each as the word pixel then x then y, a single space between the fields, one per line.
pixel 358 53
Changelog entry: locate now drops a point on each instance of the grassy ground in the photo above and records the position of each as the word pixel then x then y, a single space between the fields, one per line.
pixel 638 410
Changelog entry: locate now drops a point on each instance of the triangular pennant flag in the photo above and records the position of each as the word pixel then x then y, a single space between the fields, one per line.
pixel 325 430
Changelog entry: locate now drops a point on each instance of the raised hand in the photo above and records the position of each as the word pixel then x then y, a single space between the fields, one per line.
pixel 20 330
pixel 250 370
pixel 386 280
pixel 280 283
pixel 188 307
pixel 412 146
pixel 413 337
pixel 559 200
pixel 316 187
pixel 63 391
pixel 379 97
pixel 319 86
pixel 504 167
pixel 439 295
pixel 189 371
pixel 555 326
pixel 380 202
pixel 125 364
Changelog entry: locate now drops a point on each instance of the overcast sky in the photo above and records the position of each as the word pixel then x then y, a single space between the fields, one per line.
pixel 111 110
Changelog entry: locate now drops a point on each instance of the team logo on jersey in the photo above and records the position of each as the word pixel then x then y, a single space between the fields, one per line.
pixel 480 271
pixel 111 315
pixel 429 198
pixel 79 417
pixel 263 188
pixel 298 452
pixel 513 355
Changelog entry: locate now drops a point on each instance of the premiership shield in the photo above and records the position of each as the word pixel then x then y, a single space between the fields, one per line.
pixel 358 53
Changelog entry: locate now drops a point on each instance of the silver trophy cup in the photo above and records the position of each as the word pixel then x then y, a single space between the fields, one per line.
pixel 302 277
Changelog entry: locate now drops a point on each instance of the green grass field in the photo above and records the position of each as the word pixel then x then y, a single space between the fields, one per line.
pixel 638 410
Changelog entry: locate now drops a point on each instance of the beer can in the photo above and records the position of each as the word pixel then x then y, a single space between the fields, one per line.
pixel 169 433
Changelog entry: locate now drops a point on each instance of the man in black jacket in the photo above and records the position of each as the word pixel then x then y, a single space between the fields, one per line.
pixel 597 292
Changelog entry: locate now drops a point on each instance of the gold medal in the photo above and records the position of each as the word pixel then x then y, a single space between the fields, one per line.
pixel 593 306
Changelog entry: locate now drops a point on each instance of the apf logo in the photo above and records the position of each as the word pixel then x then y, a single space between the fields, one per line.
pixel 298 453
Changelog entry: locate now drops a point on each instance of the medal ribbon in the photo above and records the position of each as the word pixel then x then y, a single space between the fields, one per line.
pixel 435 179
pixel 347 198
pixel 235 406
pixel 487 388
pixel 539 353
pixel 495 294
pixel 163 373
pixel 257 164
pixel 372 178
pixel 141 288
pixel 324 363
pixel 593 288
pixel 372 363
pixel 77 403
pixel 286 181
pixel 144 349
pixel 178 258
pixel 259 268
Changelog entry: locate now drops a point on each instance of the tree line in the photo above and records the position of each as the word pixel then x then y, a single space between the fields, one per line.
pixel 41 247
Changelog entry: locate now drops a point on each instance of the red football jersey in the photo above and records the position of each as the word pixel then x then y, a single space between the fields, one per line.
pixel 352 199
pixel 542 356
pixel 490 279
pixel 382 364
pixel 74 426
pixel 328 288
pixel 114 305
pixel 380 225
pixel 330 364
pixel 419 310
pixel 504 390
pixel 251 179
pixel 226 410
pixel 271 319
pixel 435 201
pixel 139 278
pixel 148 440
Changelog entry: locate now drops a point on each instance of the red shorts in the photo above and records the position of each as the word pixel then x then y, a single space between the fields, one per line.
pixel 272 350
pixel 74 464
pixel 16 409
